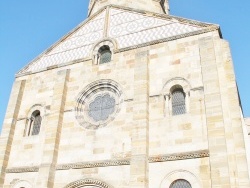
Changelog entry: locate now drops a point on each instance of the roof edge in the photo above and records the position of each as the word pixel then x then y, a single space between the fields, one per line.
pixel 206 30
pixel 207 26
pixel 60 40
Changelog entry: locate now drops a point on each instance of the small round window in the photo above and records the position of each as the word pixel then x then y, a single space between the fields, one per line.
pixel 98 104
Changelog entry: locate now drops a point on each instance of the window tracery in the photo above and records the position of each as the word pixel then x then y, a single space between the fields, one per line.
pixel 178 102
pixel 98 104
pixel 180 183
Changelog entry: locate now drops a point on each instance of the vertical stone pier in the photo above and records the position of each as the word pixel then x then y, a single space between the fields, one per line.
pixel 47 169
pixel 139 131
pixel 9 126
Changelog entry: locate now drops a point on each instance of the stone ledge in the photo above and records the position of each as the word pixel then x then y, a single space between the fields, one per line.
pixel 23 169
pixel 120 162
pixel 179 156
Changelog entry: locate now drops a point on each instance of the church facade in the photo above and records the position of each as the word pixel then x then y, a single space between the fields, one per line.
pixel 131 98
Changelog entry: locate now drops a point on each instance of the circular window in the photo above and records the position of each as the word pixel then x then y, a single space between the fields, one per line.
pixel 98 104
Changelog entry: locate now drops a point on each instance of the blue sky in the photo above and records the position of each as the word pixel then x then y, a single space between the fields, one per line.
pixel 29 27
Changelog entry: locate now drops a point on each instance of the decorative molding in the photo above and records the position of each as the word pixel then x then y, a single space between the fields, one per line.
pixel 120 162
pixel 88 182
pixel 22 169
pixel 152 159
pixel 182 156
pixel 94 164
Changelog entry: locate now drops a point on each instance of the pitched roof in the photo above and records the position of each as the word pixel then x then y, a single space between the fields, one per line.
pixel 129 28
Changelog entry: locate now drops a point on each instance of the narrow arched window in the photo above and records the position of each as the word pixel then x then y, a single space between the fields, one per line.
pixel 181 183
pixel 35 123
pixel 178 102
pixel 104 54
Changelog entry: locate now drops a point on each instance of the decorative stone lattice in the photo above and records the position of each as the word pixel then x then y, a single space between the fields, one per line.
pixel 129 29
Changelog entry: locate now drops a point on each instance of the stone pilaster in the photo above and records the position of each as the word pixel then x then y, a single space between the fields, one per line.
pixel 9 126
pixel 217 144
pixel 53 132
pixel 238 166
pixel 139 130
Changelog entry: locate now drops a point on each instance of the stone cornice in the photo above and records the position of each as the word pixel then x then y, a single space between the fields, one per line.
pixel 120 162
pixel 93 164
pixel 179 156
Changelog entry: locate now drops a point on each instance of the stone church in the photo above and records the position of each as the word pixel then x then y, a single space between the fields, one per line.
pixel 131 98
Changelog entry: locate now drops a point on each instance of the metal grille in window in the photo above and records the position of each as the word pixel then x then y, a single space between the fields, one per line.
pixel 102 107
pixel 180 184
pixel 36 124
pixel 178 102
pixel 105 57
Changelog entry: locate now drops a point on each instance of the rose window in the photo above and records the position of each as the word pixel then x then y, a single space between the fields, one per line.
pixel 98 104
pixel 102 107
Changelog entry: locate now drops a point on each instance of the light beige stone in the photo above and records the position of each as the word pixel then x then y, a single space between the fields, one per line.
pixel 144 145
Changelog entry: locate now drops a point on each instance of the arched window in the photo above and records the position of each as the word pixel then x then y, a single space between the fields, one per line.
pixel 180 184
pixel 104 54
pixel 35 123
pixel 178 102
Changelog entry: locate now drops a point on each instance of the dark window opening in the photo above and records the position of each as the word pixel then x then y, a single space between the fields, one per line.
pixel 178 102
pixel 35 123
pixel 104 54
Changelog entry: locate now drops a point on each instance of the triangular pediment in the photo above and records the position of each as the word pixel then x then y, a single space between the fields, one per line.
pixel 129 28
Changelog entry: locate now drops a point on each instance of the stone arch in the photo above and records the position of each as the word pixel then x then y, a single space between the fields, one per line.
pixel 22 183
pixel 111 43
pixel 180 174
pixel 170 86
pixel 177 81
pixel 35 107
pixel 88 183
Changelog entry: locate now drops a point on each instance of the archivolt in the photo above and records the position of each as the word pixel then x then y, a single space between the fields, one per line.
pixel 87 183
